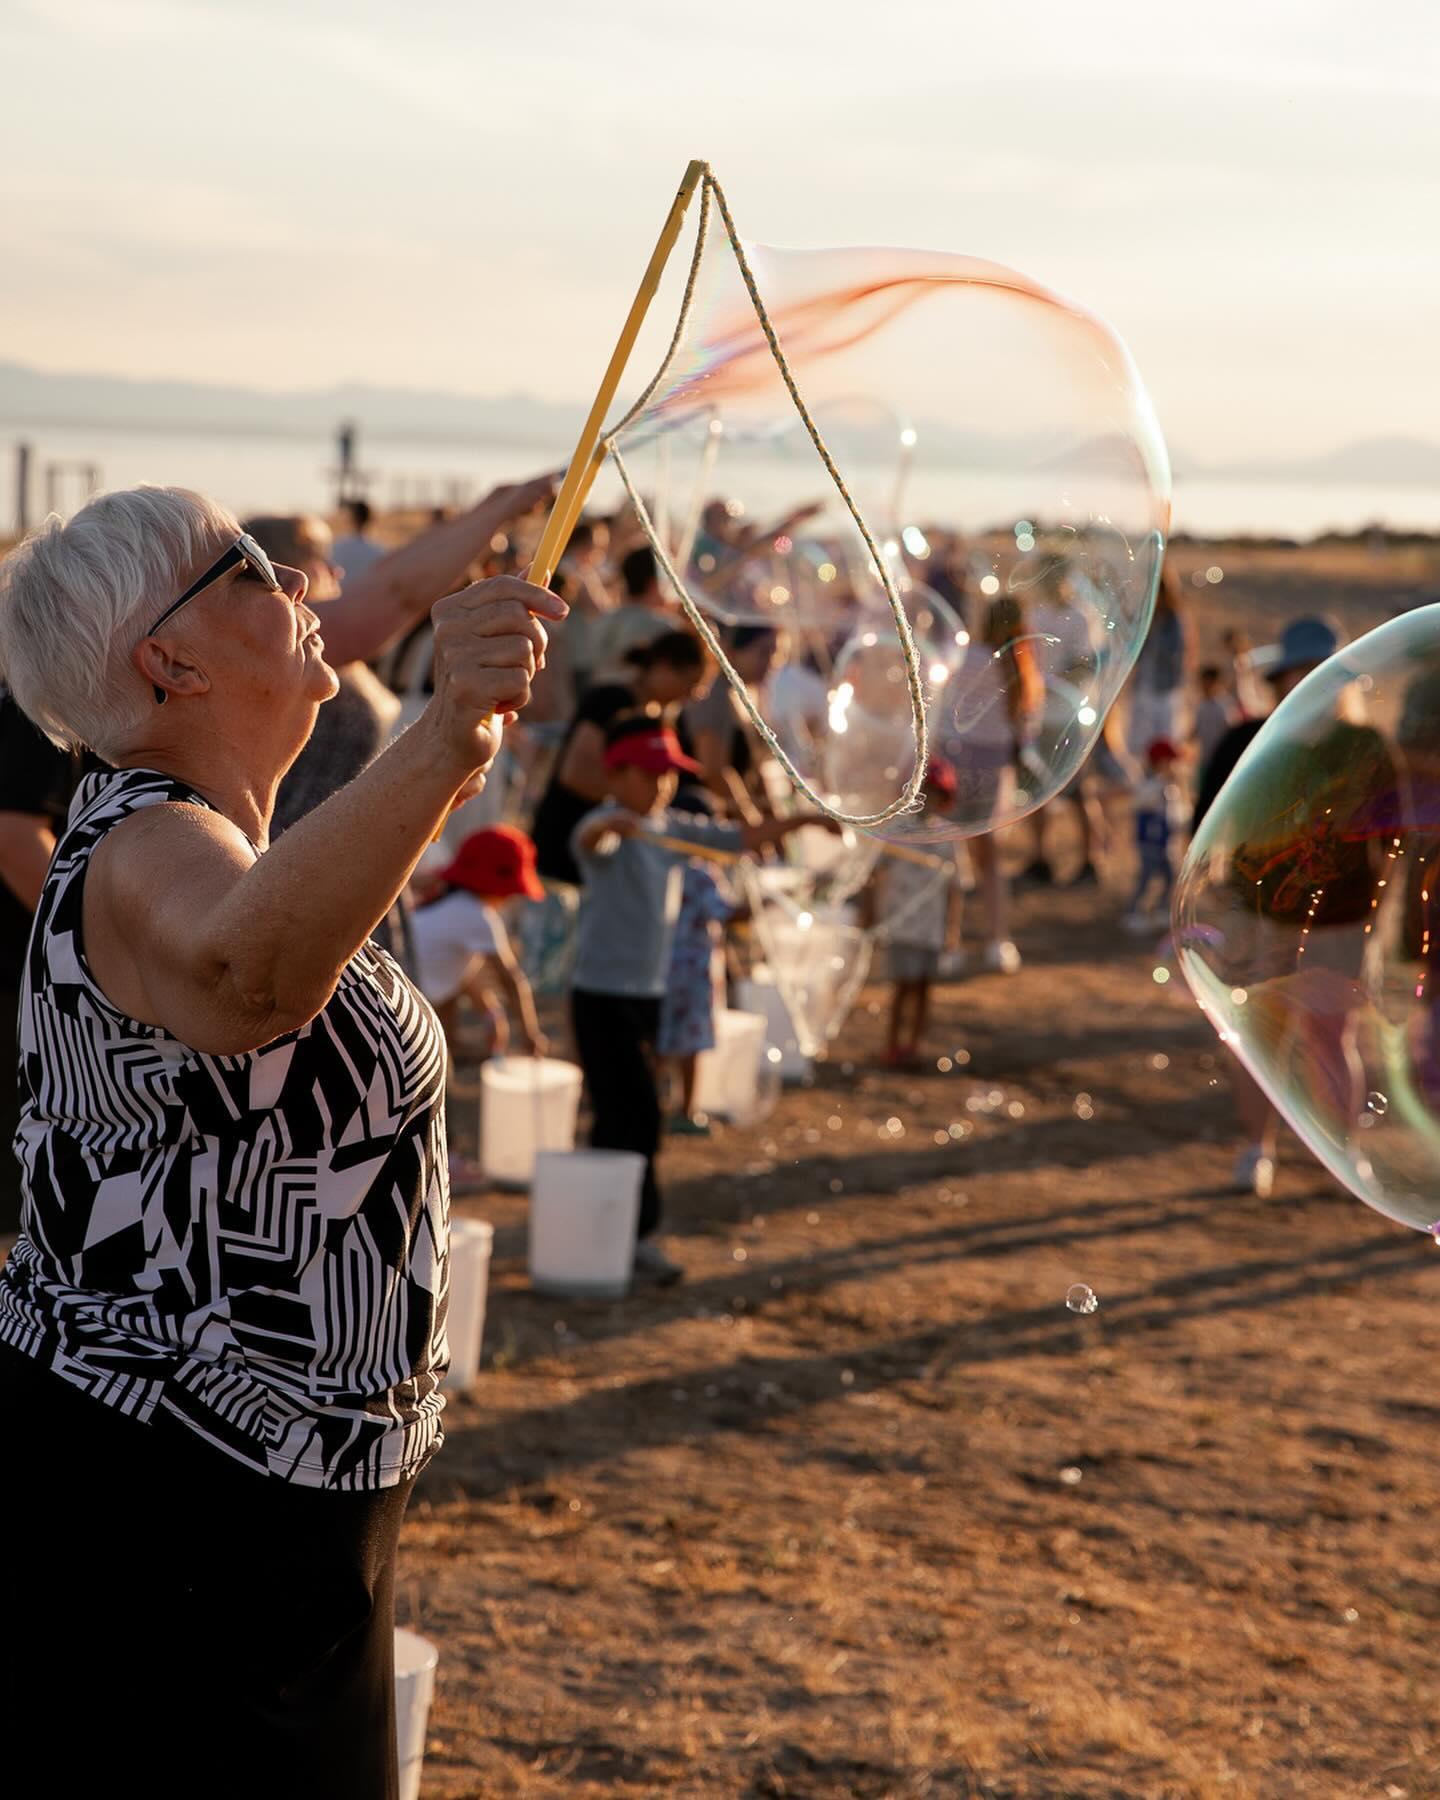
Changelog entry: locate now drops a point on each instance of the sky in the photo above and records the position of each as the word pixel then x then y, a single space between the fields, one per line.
pixel 462 196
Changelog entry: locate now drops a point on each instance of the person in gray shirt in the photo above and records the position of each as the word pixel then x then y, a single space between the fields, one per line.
pixel 632 851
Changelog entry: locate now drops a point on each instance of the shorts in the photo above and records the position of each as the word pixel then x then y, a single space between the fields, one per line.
pixel 911 962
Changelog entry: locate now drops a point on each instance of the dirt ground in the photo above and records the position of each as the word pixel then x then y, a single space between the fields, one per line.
pixel 862 1509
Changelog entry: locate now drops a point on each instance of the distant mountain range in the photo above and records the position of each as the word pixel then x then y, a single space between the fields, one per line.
pixel 1383 461
pixel 37 398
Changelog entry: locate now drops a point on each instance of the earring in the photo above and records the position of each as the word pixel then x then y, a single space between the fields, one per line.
pixel 160 695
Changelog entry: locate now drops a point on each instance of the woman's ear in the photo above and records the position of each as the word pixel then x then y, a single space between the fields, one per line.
pixel 168 670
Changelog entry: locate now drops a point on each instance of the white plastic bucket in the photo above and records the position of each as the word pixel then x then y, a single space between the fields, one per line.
pixel 727 1078
pixel 584 1208
pixel 415 1660
pixel 782 1047
pixel 470 1245
pixel 527 1103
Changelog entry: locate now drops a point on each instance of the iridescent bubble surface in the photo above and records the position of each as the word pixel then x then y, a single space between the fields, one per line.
pixel 999 444
pixel 1307 915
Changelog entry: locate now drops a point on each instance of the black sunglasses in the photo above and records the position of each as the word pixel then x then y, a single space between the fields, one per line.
pixel 244 550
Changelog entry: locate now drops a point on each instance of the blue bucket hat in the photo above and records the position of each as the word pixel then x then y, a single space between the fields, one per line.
pixel 1303 643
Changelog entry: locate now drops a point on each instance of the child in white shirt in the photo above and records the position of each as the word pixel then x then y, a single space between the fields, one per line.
pixel 461 948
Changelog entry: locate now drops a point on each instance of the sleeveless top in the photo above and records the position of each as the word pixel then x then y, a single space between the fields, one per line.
pixel 255 1245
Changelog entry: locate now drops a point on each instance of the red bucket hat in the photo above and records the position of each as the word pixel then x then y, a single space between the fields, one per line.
pixel 494 864
pixel 940 778
pixel 657 751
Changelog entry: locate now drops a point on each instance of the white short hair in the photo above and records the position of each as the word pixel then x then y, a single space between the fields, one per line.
pixel 75 600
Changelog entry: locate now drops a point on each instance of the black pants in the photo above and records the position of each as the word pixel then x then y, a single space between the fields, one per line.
pixel 176 1625
pixel 615 1036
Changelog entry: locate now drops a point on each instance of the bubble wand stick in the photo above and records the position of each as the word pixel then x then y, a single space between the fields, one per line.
pixel 589 451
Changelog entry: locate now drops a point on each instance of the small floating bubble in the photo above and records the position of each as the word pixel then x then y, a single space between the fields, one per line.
pixel 1081 1299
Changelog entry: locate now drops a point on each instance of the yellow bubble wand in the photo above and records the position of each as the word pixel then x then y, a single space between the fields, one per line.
pixel 589 451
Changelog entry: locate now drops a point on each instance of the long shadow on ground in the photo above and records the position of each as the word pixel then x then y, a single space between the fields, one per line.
pixel 748 1392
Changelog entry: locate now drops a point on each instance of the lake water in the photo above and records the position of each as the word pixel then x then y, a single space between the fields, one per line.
pixel 288 474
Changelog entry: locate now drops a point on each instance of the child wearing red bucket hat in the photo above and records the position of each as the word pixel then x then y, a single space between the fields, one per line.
pixel 632 852
pixel 461 947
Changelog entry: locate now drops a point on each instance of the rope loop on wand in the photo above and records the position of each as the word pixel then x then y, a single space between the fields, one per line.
pixel 909 799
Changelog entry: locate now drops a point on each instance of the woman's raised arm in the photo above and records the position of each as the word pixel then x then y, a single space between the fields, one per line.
pixel 385 600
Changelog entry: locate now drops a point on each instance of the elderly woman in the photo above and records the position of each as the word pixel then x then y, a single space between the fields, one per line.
pixel 222 1330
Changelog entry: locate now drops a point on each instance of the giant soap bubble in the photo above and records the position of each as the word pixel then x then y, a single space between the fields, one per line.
pixel 1000 446
pixel 1307 915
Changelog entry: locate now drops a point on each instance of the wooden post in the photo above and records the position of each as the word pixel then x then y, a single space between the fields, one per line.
pixel 22 489
pixel 52 488
pixel 344 462
pixel 589 453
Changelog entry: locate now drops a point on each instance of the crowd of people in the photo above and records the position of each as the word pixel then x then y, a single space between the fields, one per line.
pixel 632 680
pixel 628 699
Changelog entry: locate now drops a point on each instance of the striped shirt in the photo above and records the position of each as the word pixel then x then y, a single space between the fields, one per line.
pixel 254 1244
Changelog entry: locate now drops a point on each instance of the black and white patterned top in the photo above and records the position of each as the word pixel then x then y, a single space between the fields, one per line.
pixel 256 1244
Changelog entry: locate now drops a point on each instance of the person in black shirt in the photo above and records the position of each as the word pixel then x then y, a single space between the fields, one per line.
pixel 668 671
pixel 37 781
